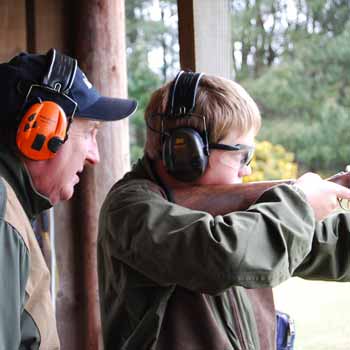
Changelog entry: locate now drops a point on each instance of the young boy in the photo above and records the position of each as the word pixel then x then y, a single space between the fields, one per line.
pixel 173 278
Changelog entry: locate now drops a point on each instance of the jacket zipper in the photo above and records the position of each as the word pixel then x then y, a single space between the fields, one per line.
pixel 238 320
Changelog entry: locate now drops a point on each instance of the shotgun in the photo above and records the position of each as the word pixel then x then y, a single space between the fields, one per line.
pixel 223 199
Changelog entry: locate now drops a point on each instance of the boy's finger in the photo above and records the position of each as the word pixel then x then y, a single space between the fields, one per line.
pixel 343 192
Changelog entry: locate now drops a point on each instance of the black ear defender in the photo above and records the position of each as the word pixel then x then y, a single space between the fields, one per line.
pixel 184 150
pixel 44 126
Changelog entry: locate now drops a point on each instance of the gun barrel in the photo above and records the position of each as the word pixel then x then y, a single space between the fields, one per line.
pixel 223 199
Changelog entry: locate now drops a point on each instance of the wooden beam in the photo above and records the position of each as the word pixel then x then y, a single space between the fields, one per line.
pixel 186 35
pixel 30 21
pixel 213 37
pixel 204 36
pixel 51 25
pixel 12 28
pixel 69 303
pixel 100 49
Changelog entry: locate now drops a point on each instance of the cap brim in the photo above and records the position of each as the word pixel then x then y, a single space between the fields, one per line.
pixel 109 109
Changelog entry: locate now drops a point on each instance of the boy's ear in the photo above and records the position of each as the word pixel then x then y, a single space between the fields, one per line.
pixel 184 154
pixel 184 151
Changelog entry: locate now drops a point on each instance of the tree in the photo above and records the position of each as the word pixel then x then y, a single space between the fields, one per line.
pixel 307 102
pixel 303 92
pixel 149 29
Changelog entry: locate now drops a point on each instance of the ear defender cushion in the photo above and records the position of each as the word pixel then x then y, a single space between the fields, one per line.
pixel 42 130
pixel 184 154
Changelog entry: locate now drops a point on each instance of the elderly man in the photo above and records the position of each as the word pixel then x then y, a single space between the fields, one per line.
pixel 49 121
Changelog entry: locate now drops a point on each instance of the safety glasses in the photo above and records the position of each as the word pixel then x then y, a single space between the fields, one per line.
pixel 246 151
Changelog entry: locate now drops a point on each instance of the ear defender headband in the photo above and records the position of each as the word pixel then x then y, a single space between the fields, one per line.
pixel 44 126
pixel 184 150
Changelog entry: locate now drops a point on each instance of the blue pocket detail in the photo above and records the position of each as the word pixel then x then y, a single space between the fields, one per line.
pixel 285 331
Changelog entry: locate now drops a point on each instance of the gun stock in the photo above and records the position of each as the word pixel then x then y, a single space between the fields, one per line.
pixel 223 199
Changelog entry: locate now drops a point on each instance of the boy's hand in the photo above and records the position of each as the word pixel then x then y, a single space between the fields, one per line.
pixel 321 194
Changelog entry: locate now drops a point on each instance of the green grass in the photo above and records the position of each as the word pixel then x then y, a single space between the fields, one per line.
pixel 321 312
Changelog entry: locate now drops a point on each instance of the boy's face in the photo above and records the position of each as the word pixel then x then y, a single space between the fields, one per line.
pixel 225 167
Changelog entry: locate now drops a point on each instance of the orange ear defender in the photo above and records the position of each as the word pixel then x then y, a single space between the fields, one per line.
pixel 42 130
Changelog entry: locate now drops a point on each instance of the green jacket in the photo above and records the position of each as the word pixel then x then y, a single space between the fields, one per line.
pixel 27 318
pixel 172 278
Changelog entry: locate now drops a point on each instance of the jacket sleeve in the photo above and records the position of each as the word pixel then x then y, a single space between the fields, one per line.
pixel 329 258
pixel 14 267
pixel 170 244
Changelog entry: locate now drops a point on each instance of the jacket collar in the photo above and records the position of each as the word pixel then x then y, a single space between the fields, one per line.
pixel 14 172
pixel 145 168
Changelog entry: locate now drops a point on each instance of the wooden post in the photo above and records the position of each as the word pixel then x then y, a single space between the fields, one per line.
pixel 100 49
pixel 52 25
pixel 205 24
pixel 12 28
pixel 186 35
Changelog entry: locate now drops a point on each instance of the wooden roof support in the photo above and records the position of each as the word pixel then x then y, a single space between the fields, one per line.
pixel 186 34
pixel 100 49
pixel 13 31
pixel 204 36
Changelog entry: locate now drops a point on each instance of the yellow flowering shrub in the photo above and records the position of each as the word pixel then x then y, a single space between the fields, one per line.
pixel 272 162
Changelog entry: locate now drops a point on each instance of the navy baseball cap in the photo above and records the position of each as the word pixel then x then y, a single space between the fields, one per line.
pixel 24 70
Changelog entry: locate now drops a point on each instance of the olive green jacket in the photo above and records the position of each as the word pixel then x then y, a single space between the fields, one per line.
pixel 172 278
pixel 27 318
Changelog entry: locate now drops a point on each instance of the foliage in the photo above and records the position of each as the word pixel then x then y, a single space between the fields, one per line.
pixel 141 83
pixel 264 31
pixel 306 102
pixel 148 32
pixel 303 91
pixel 272 162
pixel 293 57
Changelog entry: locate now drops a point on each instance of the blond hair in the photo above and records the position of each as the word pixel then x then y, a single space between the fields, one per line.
pixel 225 105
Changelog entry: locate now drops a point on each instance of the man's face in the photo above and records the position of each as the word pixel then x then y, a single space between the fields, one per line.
pixel 225 167
pixel 55 178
